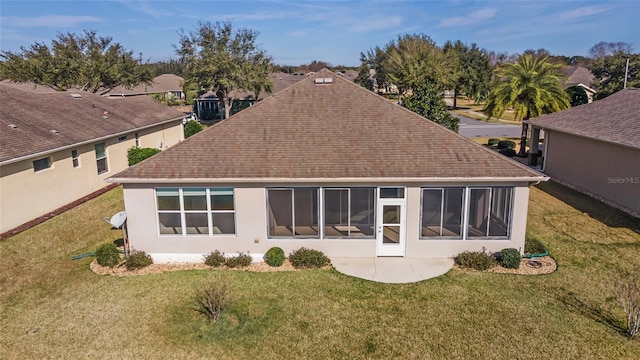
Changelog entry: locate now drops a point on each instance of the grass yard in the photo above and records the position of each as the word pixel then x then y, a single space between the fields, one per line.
pixel 52 307
pixel 469 104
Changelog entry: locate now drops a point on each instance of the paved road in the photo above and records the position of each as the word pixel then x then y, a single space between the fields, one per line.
pixel 475 128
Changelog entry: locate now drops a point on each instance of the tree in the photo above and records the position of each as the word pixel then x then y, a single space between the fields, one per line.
pixel 609 72
pixel 603 48
pixel 470 70
pixel 427 100
pixel 191 128
pixel 374 59
pixel 577 96
pixel 86 61
pixel 223 60
pixel 531 87
pixel 412 60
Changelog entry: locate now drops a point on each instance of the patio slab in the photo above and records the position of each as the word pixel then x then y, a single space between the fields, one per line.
pixel 393 270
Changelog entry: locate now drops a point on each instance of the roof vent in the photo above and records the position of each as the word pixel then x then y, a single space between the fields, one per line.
pixel 13 126
pixel 54 132
pixel 76 96
pixel 323 80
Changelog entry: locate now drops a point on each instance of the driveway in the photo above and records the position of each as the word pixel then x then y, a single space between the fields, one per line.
pixel 471 128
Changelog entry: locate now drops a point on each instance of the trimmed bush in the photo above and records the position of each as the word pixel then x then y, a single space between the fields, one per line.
pixel 242 260
pixel 137 154
pixel 478 260
pixel 507 152
pixel 304 258
pixel 214 258
pixel 533 246
pixel 138 260
pixel 510 258
pixel 506 144
pixel 191 128
pixel 275 257
pixel 107 255
pixel 493 141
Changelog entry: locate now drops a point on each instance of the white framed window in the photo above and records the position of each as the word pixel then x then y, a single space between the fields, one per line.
pixel 466 213
pixel 101 158
pixel 75 158
pixel 41 164
pixel 196 211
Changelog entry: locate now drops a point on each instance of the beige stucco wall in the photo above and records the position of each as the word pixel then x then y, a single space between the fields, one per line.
pixel 251 229
pixel 611 172
pixel 26 195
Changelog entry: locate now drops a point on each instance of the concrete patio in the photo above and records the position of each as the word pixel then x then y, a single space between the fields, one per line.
pixel 393 270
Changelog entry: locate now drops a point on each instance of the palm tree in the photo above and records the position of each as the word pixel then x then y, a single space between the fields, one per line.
pixel 531 86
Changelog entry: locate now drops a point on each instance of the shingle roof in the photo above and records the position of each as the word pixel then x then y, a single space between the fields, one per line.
pixel 326 131
pixel 615 119
pixel 160 84
pixel 578 75
pixel 75 120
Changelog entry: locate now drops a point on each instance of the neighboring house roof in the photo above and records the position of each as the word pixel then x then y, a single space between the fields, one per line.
pixel 578 75
pixel 34 123
pixel 614 119
pixel 160 84
pixel 326 131
pixel 31 87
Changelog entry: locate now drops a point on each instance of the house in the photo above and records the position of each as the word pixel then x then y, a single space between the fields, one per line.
pixel 58 147
pixel 595 148
pixel 168 85
pixel 328 165
pixel 581 77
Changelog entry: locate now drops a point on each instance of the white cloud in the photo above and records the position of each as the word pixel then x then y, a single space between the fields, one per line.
pixel 469 19
pixel 581 12
pixel 53 21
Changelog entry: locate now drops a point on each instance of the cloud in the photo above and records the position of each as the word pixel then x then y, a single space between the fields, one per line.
pixel 581 12
pixel 53 21
pixel 470 19
pixel 375 23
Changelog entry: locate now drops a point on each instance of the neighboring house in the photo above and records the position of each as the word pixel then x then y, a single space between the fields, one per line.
pixel 581 77
pixel 328 165
pixel 168 85
pixel 595 148
pixel 58 147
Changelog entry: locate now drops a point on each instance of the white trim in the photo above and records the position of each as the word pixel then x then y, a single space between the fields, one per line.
pixel 389 182
pixel 181 258
pixel 398 249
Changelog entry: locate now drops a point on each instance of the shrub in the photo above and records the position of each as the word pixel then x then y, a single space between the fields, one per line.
pixel 107 255
pixel 137 154
pixel 506 144
pixel 214 258
pixel 308 258
pixel 510 258
pixel 191 128
pixel 628 293
pixel 242 260
pixel 533 246
pixel 275 257
pixel 478 260
pixel 138 260
pixel 213 298
pixel 493 141
pixel 507 152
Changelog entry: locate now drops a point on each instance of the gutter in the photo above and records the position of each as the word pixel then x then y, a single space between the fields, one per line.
pixel 74 145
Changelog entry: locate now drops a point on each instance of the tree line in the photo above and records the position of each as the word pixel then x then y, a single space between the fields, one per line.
pixel 218 58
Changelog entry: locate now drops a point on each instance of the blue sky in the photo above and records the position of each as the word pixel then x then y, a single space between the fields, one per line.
pixel 333 31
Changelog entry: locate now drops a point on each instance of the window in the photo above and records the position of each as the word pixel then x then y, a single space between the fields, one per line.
pixel 397 193
pixel 196 211
pixel 349 213
pixel 293 212
pixel 442 212
pixel 122 138
pixel 75 159
pixel 488 215
pixel 41 164
pixel 101 158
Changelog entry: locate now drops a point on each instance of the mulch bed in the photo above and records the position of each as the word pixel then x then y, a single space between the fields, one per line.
pixel 536 266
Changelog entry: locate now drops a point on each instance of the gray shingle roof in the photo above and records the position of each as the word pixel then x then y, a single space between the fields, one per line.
pixel 75 120
pixel 160 84
pixel 615 119
pixel 326 131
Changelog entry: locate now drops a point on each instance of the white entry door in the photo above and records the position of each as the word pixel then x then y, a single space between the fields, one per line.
pixel 390 239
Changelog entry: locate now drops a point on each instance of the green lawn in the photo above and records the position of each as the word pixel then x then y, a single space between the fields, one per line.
pixel 52 307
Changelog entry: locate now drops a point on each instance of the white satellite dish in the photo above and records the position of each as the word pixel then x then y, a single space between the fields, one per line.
pixel 118 219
